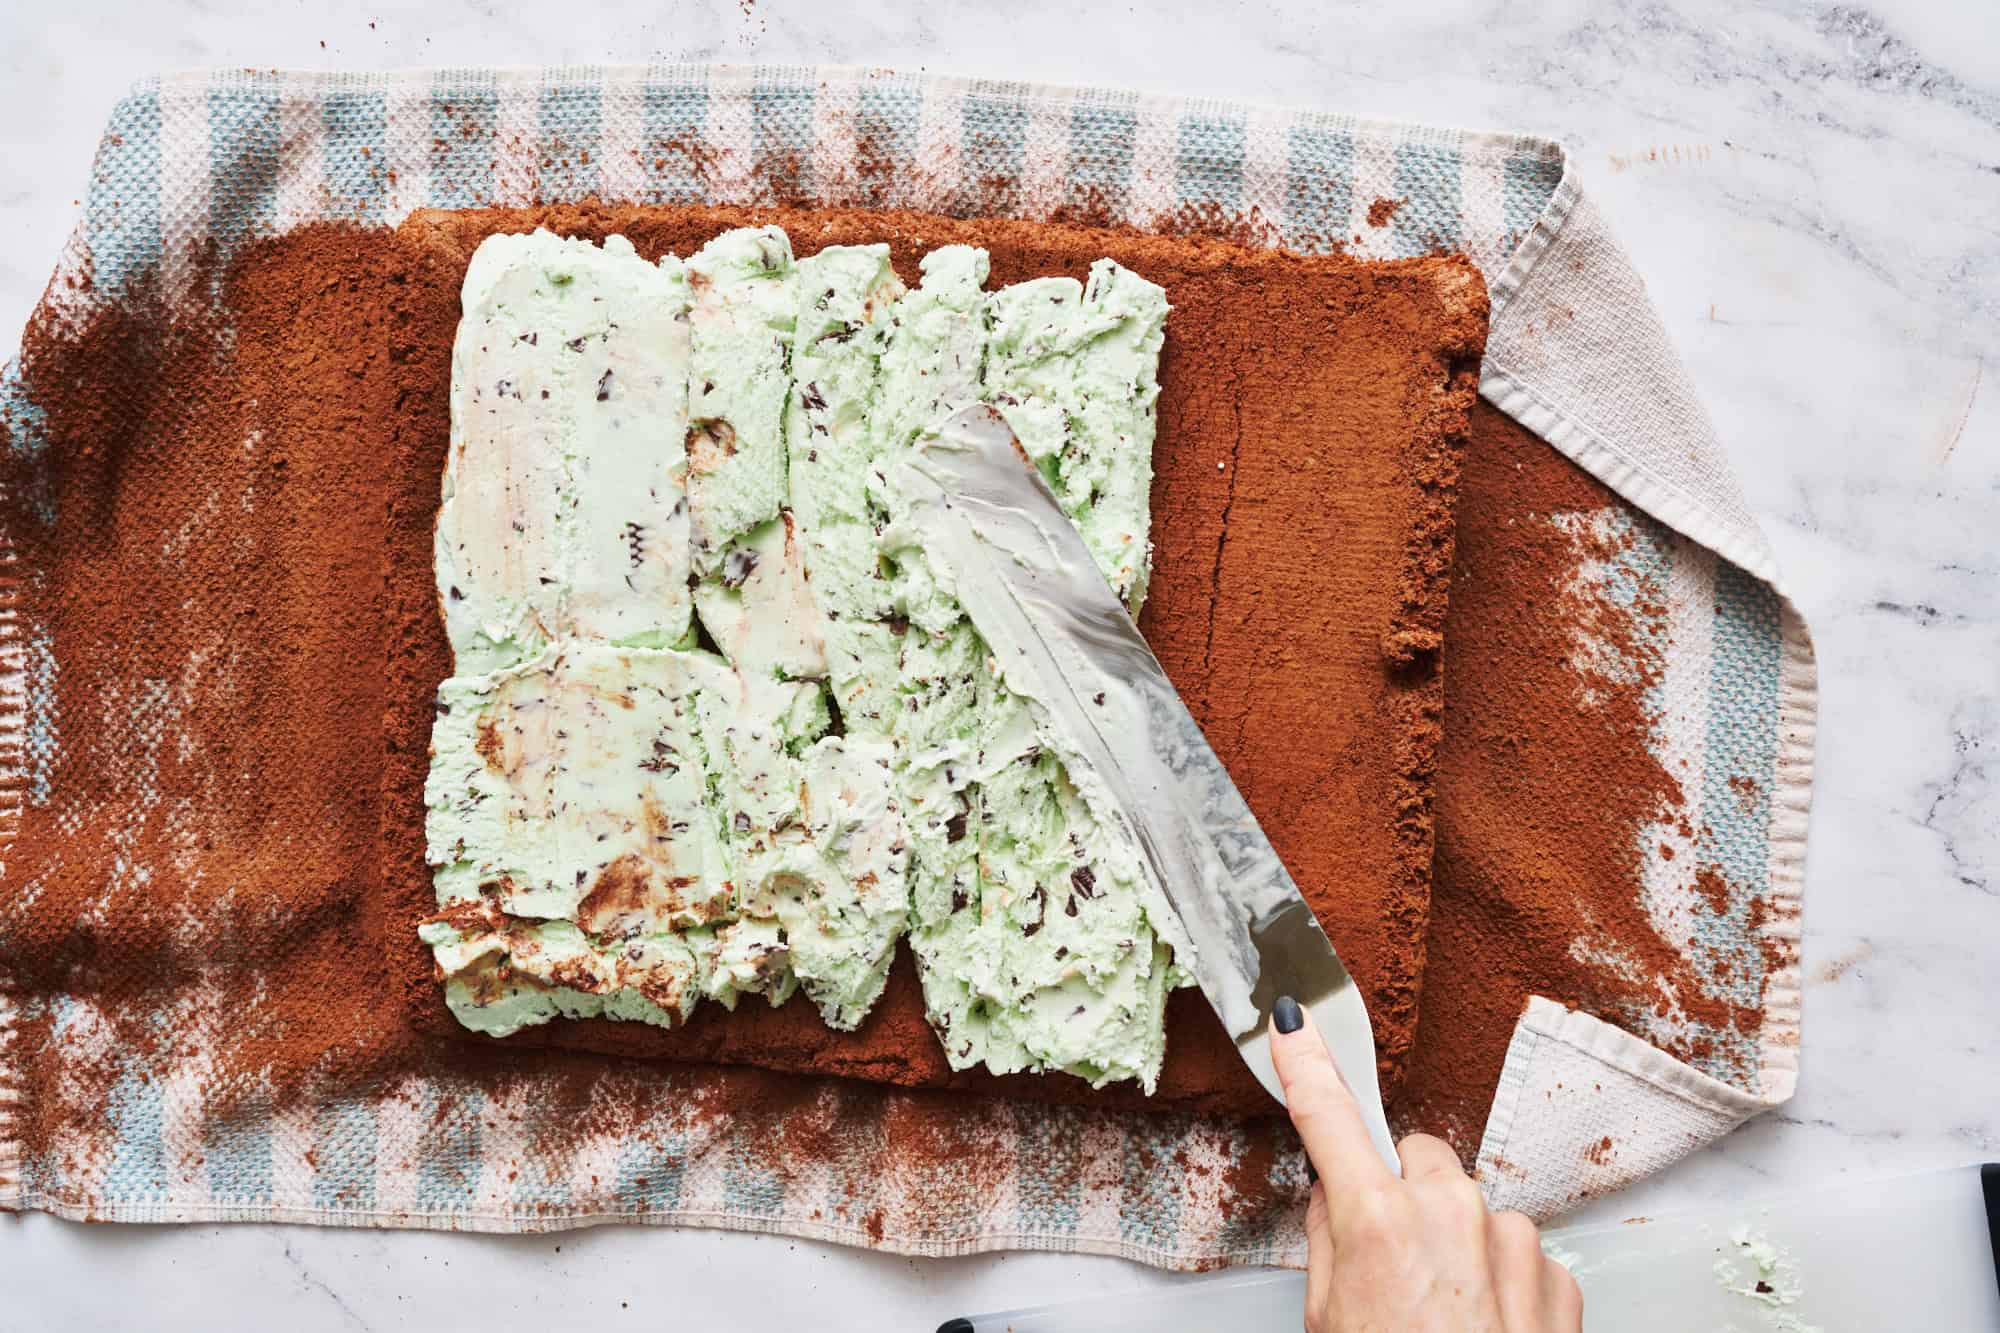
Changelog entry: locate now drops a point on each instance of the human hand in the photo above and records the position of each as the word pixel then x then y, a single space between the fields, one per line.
pixel 1409 1255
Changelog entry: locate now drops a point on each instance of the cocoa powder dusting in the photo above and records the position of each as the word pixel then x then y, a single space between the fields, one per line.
pixel 1545 785
pixel 245 501
pixel 1383 211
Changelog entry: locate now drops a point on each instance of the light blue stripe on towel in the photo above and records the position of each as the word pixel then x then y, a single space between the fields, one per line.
pixel 344 1141
pixel 650 1172
pixel 1738 769
pixel 675 152
pixel 1319 188
pixel 994 143
pixel 243 137
pixel 782 116
pixel 449 1148
pixel 572 150
pixel 1100 157
pixel 1211 155
pixel 356 155
pixel 237 1149
pixel 138 1168
pixel 886 122
pixel 464 121
pixel 1428 182
pixel 121 215
pixel 1048 1147
pixel 1151 1215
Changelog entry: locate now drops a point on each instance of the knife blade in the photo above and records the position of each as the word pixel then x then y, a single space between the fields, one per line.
pixel 1065 642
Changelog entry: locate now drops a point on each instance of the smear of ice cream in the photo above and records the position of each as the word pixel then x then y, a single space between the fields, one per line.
pixel 1765 1279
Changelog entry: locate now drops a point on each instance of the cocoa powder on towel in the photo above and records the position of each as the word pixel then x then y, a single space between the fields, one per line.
pixel 1545 785
pixel 214 602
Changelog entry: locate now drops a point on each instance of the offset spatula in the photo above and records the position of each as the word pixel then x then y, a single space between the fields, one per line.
pixel 1063 640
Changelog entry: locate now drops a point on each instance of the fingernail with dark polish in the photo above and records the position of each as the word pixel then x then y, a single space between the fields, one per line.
pixel 1285 1015
pixel 955 1326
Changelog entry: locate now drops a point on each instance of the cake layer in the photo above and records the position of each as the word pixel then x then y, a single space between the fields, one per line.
pixel 1309 420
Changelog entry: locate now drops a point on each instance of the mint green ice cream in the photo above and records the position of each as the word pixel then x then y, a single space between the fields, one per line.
pixel 846 296
pixel 738 379
pixel 622 825
pixel 1074 369
pixel 934 364
pixel 1026 917
pixel 564 511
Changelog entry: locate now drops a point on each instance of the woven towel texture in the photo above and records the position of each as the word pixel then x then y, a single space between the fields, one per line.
pixel 193 167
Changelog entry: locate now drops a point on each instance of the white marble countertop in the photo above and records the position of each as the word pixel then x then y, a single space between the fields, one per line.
pixel 1813 194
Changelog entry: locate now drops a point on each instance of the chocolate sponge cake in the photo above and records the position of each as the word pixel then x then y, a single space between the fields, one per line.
pixel 1310 416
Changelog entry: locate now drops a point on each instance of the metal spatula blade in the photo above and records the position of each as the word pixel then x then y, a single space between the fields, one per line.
pixel 1063 639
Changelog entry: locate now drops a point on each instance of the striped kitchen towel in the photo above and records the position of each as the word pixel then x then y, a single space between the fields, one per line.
pixel 194 168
